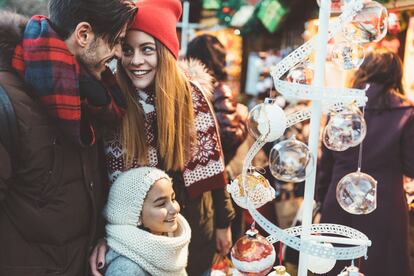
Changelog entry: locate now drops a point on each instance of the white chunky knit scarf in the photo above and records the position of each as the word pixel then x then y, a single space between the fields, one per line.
pixel 157 255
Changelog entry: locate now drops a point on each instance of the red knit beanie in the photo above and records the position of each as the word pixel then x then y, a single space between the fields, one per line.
pixel 159 18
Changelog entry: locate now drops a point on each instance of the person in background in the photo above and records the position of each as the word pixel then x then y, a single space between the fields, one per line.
pixel 145 232
pixel 170 125
pixel 231 115
pixel 53 189
pixel 387 156
pixel 409 192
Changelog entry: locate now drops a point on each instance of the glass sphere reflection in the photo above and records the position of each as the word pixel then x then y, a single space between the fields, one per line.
pixel 289 159
pixel 348 56
pixel 279 270
pixel 337 6
pixel 351 271
pixel 356 193
pixel 258 189
pixel 344 130
pixel 369 25
pixel 302 73
pixel 267 120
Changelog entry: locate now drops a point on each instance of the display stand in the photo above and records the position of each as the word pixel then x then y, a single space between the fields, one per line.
pixel 185 26
pixel 323 100
pixel 315 122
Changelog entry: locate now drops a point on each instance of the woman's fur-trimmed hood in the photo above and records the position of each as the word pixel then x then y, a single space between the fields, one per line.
pixel 196 72
pixel 11 30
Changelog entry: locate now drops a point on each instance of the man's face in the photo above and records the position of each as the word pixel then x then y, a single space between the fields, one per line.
pixel 99 52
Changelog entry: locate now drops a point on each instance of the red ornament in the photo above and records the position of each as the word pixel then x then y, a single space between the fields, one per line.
pixel 226 10
pixel 394 26
pixel 252 254
pixel 336 5
pixel 252 2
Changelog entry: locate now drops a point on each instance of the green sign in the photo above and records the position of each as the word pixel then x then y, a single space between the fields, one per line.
pixel 211 4
pixel 271 13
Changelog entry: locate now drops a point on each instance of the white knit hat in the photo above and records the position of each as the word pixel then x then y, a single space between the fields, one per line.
pixel 127 195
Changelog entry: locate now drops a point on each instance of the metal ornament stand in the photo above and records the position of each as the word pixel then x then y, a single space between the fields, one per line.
pixel 315 121
pixel 323 100
pixel 185 26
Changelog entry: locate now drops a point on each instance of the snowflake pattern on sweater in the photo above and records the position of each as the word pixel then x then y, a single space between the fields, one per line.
pixel 205 170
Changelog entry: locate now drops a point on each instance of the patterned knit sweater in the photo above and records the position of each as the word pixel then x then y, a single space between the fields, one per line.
pixel 205 170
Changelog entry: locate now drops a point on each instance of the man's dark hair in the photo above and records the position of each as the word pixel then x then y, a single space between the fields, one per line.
pixel 11 29
pixel 107 17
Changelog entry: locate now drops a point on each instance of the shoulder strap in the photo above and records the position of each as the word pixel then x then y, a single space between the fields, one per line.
pixel 8 126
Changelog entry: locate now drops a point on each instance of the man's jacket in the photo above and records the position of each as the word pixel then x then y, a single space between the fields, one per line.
pixel 51 202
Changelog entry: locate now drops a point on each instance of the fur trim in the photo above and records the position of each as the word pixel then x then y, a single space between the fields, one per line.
pixel 11 29
pixel 197 73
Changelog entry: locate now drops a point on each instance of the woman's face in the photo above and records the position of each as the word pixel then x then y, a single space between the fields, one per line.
pixel 139 58
pixel 160 209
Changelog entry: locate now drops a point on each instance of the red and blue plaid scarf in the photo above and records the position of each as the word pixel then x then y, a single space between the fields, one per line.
pixel 72 97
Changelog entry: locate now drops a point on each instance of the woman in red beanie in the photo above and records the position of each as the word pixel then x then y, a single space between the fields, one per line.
pixel 170 124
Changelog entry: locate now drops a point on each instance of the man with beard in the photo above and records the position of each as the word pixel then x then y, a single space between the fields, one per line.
pixel 53 187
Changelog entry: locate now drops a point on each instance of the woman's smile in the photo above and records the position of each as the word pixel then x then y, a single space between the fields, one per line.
pixel 140 73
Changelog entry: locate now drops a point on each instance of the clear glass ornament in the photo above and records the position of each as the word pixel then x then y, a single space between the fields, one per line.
pixel 348 56
pixel 345 129
pixel 350 271
pixel 337 6
pixel 289 159
pixel 369 25
pixel 301 73
pixel 320 265
pixel 267 120
pixel 356 193
pixel 258 189
pixel 279 270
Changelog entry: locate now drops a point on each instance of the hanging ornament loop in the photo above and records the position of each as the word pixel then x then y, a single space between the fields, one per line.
pixel 360 148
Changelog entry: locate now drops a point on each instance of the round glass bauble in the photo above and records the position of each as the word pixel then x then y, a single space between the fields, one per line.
pixel 258 189
pixel 356 193
pixel 279 270
pixel 350 271
pixel 301 73
pixel 394 26
pixel 344 130
pixel 369 25
pixel 289 159
pixel 348 56
pixel 252 254
pixel 320 265
pixel 267 121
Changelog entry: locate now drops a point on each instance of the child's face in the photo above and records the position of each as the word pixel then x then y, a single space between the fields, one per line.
pixel 160 209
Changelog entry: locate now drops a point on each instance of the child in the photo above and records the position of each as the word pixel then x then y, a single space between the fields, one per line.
pixel 146 234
